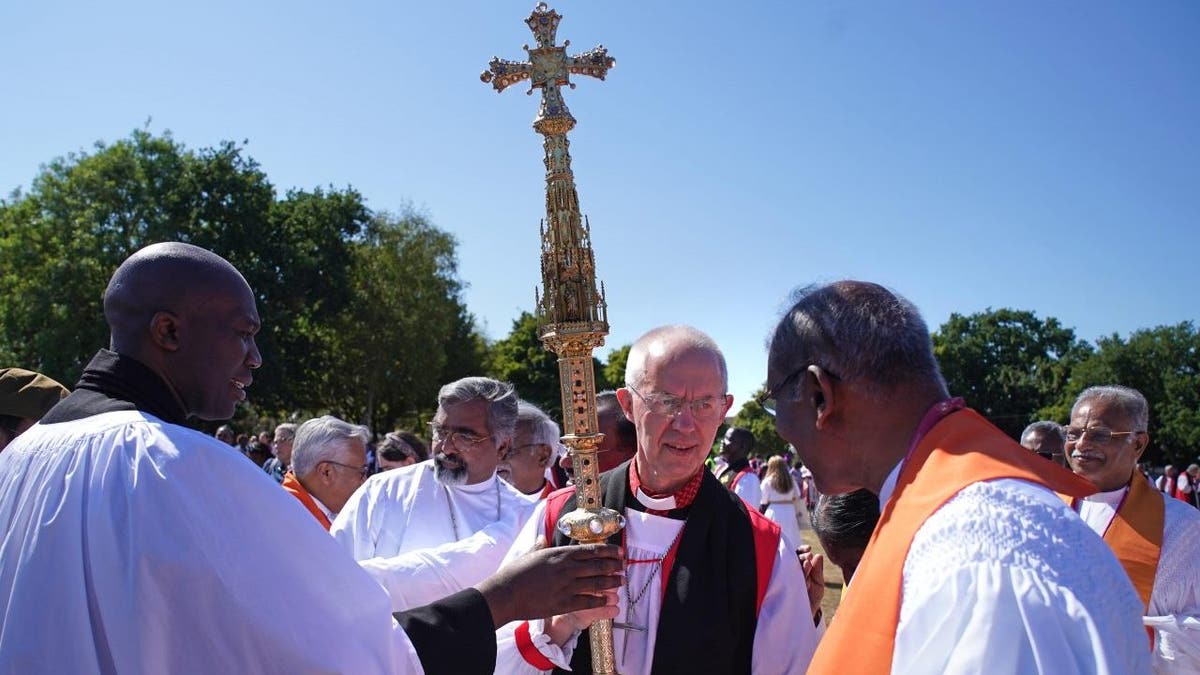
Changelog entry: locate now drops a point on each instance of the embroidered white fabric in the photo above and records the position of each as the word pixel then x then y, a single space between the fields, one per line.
pixel 1005 578
pixel 1175 601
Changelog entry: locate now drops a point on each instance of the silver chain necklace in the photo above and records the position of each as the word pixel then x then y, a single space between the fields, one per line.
pixel 631 601
pixel 450 506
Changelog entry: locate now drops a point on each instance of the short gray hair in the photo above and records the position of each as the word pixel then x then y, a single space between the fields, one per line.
pixel 544 430
pixel 285 431
pixel 316 442
pixel 857 330
pixel 1046 427
pixel 501 396
pixel 677 335
pixel 1126 399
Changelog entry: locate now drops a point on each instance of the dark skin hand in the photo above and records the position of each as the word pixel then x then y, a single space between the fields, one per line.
pixel 552 581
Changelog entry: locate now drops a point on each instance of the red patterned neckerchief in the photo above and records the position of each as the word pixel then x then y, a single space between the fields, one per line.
pixel 661 504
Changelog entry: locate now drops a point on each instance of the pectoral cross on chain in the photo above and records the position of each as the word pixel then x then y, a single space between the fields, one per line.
pixel 628 627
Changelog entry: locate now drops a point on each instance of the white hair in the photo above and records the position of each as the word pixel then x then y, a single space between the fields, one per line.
pixel 501 398
pixel 317 441
pixel 544 431
pixel 1128 400
pixel 675 337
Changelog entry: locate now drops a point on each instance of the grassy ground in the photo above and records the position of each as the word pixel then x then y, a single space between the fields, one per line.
pixel 833 578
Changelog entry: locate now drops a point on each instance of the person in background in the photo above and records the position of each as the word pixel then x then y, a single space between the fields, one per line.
pixel 400 449
pixel 24 397
pixel 781 501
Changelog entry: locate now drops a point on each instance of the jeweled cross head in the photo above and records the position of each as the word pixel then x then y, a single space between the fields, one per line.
pixel 549 67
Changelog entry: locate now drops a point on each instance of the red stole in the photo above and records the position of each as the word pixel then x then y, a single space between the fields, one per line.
pixel 292 485
pixel 961 449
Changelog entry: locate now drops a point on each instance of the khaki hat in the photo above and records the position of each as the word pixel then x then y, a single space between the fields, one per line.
pixel 24 393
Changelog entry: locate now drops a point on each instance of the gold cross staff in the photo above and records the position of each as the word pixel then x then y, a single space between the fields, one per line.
pixel 572 313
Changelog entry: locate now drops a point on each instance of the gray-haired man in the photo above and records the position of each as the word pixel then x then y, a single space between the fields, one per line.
pixel 534 448
pixel 329 462
pixel 447 521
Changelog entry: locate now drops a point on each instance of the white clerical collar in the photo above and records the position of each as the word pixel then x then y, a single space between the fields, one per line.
pixel 1112 498
pixel 889 485
pixel 657 503
pixel 478 488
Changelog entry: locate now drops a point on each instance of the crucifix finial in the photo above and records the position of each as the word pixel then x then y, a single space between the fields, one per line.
pixel 548 68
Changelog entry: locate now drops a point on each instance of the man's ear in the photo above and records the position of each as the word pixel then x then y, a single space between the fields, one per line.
pixel 164 331
pixel 819 386
pixel 626 400
pixel 1143 441
pixel 501 449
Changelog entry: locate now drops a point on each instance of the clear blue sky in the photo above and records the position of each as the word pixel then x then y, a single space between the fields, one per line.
pixel 1029 154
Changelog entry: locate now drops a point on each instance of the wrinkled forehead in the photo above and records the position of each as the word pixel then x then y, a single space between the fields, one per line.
pixel 690 370
pixel 1096 412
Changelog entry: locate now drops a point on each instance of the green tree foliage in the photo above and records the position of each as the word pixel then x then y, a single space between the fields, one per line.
pixel 392 349
pixel 522 360
pixel 1008 364
pixel 347 300
pixel 1164 364
pixel 751 416
pixel 614 368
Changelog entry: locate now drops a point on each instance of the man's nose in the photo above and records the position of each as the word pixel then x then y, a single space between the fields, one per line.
pixel 254 358
pixel 685 420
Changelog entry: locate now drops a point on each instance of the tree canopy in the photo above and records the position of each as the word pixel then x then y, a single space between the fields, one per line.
pixel 1008 364
pixel 362 313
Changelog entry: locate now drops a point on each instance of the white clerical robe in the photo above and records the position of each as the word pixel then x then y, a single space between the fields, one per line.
pixel 1005 578
pixel 135 546
pixel 1174 610
pixel 422 540
pixel 784 640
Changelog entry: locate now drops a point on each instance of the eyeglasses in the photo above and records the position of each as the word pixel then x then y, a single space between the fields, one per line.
pixel 706 409
pixel 460 438
pixel 1099 435
pixel 363 471
pixel 769 400
pixel 511 452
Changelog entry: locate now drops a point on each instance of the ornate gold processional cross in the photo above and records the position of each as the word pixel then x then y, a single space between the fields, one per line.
pixel 572 315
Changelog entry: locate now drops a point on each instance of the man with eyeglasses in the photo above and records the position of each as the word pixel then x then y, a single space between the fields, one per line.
pixel 1045 439
pixel 710 585
pixel 535 447
pixel 1156 539
pixel 126 544
pixel 329 462
pixel 976 565
pixel 439 526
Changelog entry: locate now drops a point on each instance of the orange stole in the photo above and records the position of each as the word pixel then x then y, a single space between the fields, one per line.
pixel 1135 537
pixel 962 449
pixel 292 485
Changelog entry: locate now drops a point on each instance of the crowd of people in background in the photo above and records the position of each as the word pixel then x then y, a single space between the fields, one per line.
pixel 464 534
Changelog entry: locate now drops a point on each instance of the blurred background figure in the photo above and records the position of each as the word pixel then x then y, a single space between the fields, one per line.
pixel 620 436
pixel 1046 439
pixel 525 464
pixel 781 501
pixel 281 447
pixel 844 524
pixel 400 448
pixel 225 435
pixel 24 397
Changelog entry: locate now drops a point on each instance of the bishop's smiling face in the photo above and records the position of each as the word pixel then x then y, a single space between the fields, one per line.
pixel 671 449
